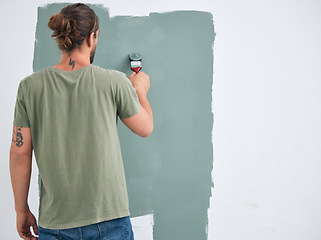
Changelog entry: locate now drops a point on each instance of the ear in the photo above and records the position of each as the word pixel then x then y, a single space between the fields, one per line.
pixel 91 38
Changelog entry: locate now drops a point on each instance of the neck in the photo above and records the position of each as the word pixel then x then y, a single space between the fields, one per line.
pixel 74 60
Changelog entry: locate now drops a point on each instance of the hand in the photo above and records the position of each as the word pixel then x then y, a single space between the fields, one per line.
pixel 25 220
pixel 140 81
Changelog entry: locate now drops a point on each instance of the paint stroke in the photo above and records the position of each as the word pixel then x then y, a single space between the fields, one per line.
pixel 169 173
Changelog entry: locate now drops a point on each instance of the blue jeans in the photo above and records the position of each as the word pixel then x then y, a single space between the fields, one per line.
pixel 116 229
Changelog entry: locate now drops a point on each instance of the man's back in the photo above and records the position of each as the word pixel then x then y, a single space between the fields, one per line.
pixel 73 121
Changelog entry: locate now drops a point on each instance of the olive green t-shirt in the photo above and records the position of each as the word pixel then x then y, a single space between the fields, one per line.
pixel 73 119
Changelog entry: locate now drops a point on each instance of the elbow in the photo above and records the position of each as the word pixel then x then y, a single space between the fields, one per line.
pixel 147 131
pixel 17 155
pixel 17 161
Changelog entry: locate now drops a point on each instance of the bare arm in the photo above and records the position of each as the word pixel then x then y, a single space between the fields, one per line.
pixel 20 172
pixel 141 123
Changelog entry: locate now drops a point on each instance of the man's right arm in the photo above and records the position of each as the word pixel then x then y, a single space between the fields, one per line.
pixel 141 123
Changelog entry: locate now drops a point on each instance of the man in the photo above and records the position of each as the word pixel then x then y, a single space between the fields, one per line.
pixel 68 115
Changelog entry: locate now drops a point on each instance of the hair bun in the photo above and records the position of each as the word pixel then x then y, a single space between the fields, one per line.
pixel 63 30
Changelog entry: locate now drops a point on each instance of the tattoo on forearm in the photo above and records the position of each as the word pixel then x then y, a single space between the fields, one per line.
pixel 17 136
pixel 72 63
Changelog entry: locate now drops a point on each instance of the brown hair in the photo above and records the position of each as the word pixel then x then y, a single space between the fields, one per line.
pixel 72 25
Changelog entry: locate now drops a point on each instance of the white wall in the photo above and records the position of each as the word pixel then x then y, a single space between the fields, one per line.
pixel 266 103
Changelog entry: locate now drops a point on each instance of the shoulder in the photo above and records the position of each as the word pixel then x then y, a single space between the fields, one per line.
pixel 33 76
pixel 113 76
pixel 109 72
pixel 33 79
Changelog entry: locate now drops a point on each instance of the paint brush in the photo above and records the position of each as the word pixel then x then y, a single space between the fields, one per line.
pixel 135 62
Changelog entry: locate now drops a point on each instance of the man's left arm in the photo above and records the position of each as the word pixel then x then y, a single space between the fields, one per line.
pixel 20 172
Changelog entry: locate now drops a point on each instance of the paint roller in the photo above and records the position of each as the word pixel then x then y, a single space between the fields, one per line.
pixel 135 62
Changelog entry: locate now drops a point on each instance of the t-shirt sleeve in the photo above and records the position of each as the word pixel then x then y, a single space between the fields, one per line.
pixel 126 98
pixel 20 113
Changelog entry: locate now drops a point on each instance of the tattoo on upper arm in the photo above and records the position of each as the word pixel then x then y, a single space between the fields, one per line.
pixel 72 63
pixel 17 136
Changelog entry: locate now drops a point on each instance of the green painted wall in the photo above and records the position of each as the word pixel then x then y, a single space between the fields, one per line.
pixel 169 173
